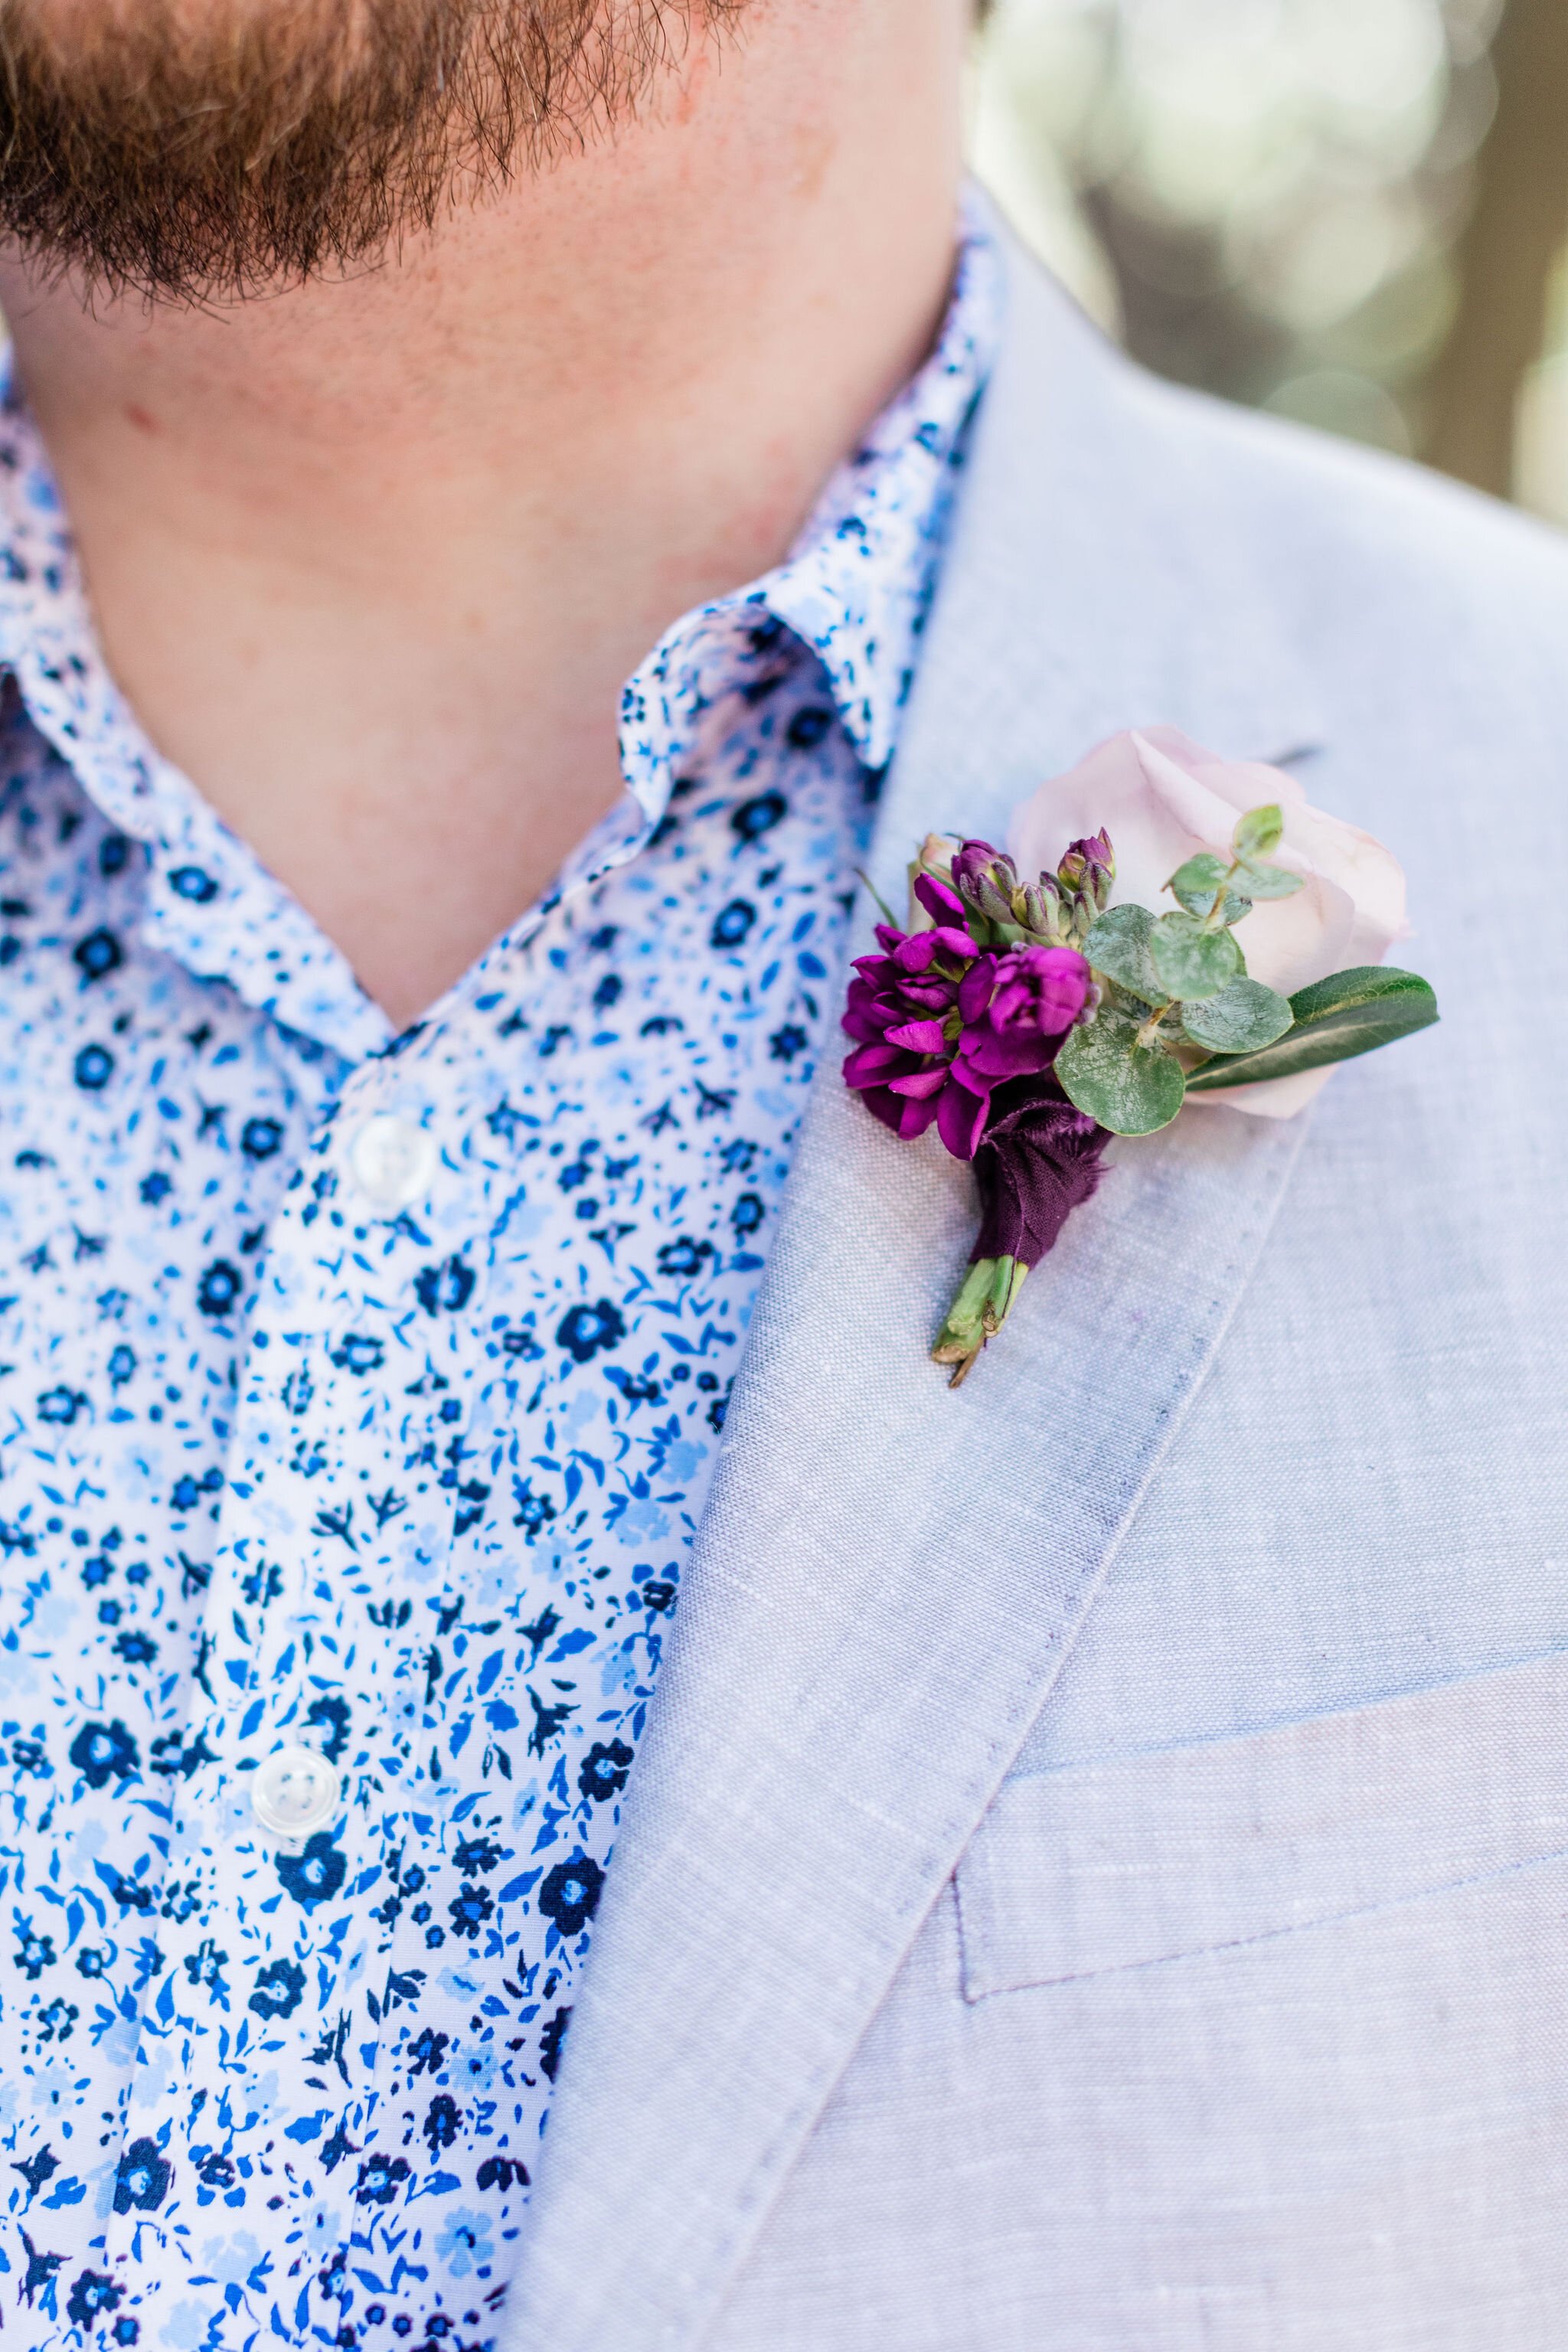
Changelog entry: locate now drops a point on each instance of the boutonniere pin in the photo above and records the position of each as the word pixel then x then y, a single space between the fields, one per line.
pixel 1032 1011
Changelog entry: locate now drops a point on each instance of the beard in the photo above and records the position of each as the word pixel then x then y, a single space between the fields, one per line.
pixel 203 150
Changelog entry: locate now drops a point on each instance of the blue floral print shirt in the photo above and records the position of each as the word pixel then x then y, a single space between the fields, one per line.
pixel 358 1396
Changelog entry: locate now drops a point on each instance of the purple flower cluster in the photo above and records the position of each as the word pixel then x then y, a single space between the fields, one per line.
pixel 940 1020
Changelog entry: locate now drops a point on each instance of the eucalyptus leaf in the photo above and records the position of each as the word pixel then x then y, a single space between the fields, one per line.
pixel 1243 1016
pixel 1190 961
pixel 1266 881
pixel 1350 1013
pixel 1118 945
pixel 1260 831
pixel 1197 885
pixel 1130 1088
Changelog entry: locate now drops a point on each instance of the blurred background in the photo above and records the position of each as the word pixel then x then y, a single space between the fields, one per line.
pixel 1352 212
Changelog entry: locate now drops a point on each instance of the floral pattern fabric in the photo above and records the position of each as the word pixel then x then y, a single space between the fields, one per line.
pixel 408 1484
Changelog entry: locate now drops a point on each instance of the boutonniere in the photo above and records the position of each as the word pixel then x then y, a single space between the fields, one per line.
pixel 1031 1011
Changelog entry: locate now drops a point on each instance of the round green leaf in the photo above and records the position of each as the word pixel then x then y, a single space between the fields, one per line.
pixel 1197 885
pixel 1260 831
pixel 1266 881
pixel 1131 1089
pixel 1335 1019
pixel 1190 961
pixel 1117 946
pixel 1242 1017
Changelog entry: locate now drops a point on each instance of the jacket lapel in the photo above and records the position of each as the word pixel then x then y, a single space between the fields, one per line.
pixel 889 1573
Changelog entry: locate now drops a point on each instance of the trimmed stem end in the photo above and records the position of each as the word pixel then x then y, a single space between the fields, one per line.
pixel 983 1304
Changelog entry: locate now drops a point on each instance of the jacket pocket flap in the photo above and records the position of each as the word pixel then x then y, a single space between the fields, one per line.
pixel 1188 1850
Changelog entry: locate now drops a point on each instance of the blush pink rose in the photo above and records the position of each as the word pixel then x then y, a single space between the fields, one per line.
pixel 1162 798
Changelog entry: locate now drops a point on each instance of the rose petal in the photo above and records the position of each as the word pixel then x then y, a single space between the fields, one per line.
pixel 1161 798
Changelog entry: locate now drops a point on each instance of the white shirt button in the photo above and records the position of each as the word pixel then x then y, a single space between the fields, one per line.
pixel 392 1162
pixel 294 1792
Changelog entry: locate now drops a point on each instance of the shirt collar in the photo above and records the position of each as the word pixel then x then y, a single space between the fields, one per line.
pixel 857 584
pixel 855 589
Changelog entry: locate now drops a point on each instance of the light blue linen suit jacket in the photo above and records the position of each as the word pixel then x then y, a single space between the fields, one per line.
pixel 1097 1879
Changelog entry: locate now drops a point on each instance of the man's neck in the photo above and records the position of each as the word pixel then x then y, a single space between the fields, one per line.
pixel 371 560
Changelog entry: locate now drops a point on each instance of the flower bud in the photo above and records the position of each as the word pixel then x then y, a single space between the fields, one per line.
pixel 1089 869
pixel 934 864
pixel 1041 910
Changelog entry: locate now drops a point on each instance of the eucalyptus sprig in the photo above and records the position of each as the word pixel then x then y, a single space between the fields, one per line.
pixel 1178 1013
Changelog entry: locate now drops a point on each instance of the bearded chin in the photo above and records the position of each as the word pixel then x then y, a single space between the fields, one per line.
pixel 199 150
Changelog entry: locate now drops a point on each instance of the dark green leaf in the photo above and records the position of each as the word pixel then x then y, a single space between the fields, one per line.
pixel 1118 945
pixel 1190 961
pixel 1266 881
pixel 1242 1017
pixel 1349 1013
pixel 1260 832
pixel 1128 1088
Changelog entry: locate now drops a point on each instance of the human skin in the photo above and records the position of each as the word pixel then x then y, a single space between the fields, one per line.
pixel 372 556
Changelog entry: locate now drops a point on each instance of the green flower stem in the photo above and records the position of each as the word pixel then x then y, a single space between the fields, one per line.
pixel 983 1304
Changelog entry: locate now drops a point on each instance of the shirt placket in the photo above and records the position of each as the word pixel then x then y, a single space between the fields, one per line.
pixel 280 1827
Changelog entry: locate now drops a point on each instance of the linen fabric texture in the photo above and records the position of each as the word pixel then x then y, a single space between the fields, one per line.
pixel 1096 1879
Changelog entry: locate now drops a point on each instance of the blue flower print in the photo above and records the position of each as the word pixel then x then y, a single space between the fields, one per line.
pixel 381 2178
pixel 219 1288
pixel 61 1405
pixel 570 1895
pixel 315 1874
pixel 443 1289
pixel 465 2241
pixel 758 815
pixel 96 955
pixel 587 1329
pixel 469 1908
pixel 731 924
pixel 34 1953
pixel 278 1990
pixel 90 2297
pixel 405 1474
pixel 102 1752
pixel 809 726
pixel 679 1261
pixel 141 2180
pixel 475 1855
pixel 603 1771
pixel 260 1138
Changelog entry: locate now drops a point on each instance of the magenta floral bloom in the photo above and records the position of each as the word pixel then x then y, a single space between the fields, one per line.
pixel 1035 995
pixel 939 1025
pixel 903 1011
